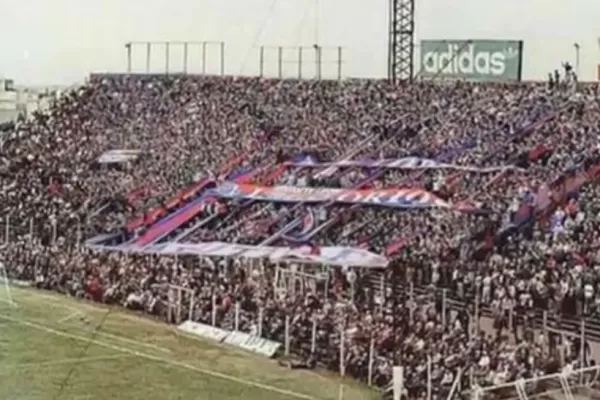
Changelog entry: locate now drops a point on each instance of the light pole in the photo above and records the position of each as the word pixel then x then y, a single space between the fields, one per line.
pixel 577 48
pixel 318 54
pixel 128 48
pixel 186 48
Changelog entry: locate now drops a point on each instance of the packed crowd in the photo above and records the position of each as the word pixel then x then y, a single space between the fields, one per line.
pixel 376 329
pixel 519 237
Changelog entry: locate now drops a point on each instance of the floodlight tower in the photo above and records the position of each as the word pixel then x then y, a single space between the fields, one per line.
pixel 401 40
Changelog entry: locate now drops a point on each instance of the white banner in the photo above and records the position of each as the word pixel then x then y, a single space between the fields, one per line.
pixel 340 256
pixel 254 344
pixel 242 340
pixel 118 156
pixel 203 330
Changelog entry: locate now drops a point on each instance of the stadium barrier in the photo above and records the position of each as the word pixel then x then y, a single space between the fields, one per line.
pixel 301 336
pixel 300 341
pixel 568 385
pixel 474 303
pixel 242 340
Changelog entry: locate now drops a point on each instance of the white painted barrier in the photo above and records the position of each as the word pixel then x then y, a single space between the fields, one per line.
pixel 241 340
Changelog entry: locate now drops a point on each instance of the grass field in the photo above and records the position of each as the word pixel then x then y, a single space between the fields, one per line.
pixel 48 353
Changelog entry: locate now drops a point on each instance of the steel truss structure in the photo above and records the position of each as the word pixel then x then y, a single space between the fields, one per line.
pixel 401 40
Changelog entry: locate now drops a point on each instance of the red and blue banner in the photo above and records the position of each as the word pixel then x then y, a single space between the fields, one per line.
pixel 399 198
pixel 304 230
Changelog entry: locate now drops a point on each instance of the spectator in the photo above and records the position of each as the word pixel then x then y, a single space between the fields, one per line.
pixel 521 237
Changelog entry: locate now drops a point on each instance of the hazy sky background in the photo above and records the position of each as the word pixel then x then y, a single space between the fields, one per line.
pixel 61 41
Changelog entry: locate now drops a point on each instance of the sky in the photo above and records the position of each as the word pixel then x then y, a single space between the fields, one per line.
pixel 61 41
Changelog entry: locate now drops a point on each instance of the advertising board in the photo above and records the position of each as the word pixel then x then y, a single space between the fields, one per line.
pixel 477 60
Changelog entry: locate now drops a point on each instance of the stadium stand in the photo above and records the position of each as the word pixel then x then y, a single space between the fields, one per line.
pixel 493 232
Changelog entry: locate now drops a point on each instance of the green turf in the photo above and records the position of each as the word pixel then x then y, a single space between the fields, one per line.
pixel 45 356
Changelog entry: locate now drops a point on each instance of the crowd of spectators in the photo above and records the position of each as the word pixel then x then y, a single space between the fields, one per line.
pixel 519 238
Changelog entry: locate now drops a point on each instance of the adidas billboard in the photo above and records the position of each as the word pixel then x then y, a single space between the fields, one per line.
pixel 480 60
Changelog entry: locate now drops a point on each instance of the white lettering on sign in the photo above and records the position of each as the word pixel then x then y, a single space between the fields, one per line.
pixel 406 198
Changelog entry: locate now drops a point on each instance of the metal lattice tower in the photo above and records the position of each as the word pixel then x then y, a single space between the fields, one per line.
pixel 401 41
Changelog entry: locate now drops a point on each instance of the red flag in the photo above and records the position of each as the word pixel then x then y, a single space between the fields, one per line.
pixel 395 246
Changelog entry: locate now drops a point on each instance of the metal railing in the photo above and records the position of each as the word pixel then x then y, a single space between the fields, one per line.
pixel 564 385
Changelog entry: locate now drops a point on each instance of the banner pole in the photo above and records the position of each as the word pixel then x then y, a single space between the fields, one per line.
pixel 544 321
pixel 287 335
pixel 260 321
pixel 191 313
pixel 214 309
pixel 54 233
pixel 170 305
pixel 179 301
pixel 411 298
pixel 397 382
pixel 313 341
pixel 342 352
pixel 428 377
pixel 7 229
pixel 371 360
pixel 79 234
pixel 444 307
pixel 476 317
pixel 582 349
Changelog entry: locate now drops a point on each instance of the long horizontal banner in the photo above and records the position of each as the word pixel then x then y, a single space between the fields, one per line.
pixel 238 339
pixel 339 256
pixel 400 198
pixel 402 163
pixel 118 156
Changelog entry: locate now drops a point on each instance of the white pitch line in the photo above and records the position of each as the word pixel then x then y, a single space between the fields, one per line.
pixel 76 312
pixel 70 317
pixel 167 361
pixel 135 342
pixel 93 307
pixel 64 361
